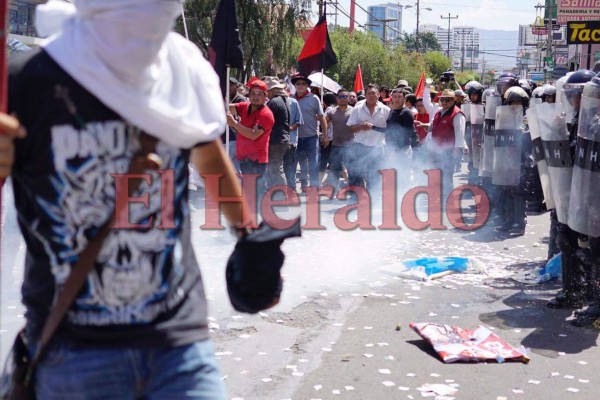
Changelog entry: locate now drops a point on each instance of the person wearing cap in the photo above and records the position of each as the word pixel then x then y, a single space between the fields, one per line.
pixel 253 121
pixel 368 121
pixel 459 97
pixel 279 142
pixel 402 83
pixel 447 134
pixel 307 153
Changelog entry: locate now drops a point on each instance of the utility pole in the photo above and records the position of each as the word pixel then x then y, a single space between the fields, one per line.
pixel 472 50
pixel 483 71
pixel 549 48
pixel 417 30
pixel 462 33
pixel 384 23
pixel 449 18
pixel 335 13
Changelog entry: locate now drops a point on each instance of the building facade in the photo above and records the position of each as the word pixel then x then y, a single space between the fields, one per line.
pixel 21 21
pixel 385 20
pixel 462 43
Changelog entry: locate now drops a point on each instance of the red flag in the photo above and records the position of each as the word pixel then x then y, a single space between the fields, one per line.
pixel 358 80
pixel 317 53
pixel 420 86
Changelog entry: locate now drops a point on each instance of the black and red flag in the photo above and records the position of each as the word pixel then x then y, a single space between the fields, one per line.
pixel 225 49
pixel 317 53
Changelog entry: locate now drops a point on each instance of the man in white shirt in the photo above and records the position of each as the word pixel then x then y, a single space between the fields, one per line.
pixel 368 122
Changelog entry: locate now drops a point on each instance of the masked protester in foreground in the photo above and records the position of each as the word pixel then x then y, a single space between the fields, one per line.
pixel 115 92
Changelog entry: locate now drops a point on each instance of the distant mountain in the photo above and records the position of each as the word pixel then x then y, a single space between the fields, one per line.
pixel 503 45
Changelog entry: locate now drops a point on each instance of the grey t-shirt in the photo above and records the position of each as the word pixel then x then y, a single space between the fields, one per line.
pixel 145 289
pixel 310 105
pixel 342 133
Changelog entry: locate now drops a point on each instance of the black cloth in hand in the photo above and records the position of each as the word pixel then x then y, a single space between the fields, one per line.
pixel 253 271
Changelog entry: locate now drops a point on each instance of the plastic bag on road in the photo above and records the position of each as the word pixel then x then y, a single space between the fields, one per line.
pixel 429 268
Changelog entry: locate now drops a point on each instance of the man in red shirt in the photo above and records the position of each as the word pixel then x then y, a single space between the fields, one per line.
pixel 253 122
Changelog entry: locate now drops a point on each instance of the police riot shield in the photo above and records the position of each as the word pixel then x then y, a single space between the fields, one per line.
pixel 534 101
pixel 507 149
pixel 555 141
pixel 489 138
pixel 538 155
pixel 584 205
pixel 477 116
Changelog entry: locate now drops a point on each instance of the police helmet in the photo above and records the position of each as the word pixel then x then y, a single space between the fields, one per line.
pixel 576 81
pixel 506 81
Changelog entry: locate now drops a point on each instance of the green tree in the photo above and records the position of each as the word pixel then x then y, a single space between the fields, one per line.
pixel 466 76
pixel 427 42
pixel 437 63
pixel 268 29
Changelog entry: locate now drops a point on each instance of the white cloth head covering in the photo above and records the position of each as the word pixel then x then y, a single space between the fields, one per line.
pixel 124 53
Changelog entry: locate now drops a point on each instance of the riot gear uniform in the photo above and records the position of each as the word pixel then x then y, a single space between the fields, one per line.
pixel 474 128
pixel 561 174
pixel 512 159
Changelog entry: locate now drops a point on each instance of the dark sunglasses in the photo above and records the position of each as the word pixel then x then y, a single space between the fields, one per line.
pixel 344 96
pixel 445 100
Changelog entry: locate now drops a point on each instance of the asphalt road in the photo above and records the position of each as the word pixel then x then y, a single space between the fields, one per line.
pixel 334 331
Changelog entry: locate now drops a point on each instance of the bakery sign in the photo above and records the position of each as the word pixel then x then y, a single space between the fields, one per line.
pixel 587 32
pixel 578 10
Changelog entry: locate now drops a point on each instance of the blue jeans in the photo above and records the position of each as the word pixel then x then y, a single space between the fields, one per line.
pixel 247 166
pixel 72 373
pixel 307 154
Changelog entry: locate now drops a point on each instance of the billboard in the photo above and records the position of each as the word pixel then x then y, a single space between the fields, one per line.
pixel 585 32
pixel 578 10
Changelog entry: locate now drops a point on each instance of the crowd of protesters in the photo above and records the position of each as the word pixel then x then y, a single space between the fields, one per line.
pixel 503 133
pixel 294 135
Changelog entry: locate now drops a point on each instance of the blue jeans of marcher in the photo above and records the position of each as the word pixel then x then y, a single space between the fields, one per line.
pixel 234 160
pixel 86 373
pixel 307 154
pixel 248 166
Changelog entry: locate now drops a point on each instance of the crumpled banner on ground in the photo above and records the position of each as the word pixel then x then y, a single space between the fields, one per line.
pixel 454 344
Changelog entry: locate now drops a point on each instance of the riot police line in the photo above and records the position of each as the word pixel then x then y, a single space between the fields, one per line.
pixel 539 149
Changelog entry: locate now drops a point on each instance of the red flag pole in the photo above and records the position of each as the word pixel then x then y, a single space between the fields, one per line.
pixel 358 80
pixel 420 86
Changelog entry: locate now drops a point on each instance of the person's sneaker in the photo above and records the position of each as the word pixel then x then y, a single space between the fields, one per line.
pixel 516 230
pixel 582 321
pixel 593 310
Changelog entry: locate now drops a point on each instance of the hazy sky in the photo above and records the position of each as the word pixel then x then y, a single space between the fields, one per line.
pixel 483 14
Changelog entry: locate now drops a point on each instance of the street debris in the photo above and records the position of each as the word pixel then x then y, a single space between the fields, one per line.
pixel 431 268
pixel 456 344
pixel 550 271
pixel 436 389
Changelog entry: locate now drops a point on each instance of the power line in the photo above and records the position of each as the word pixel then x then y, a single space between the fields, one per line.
pixel 469 6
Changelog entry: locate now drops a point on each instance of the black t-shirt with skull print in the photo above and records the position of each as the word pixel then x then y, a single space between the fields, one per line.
pixel 146 289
